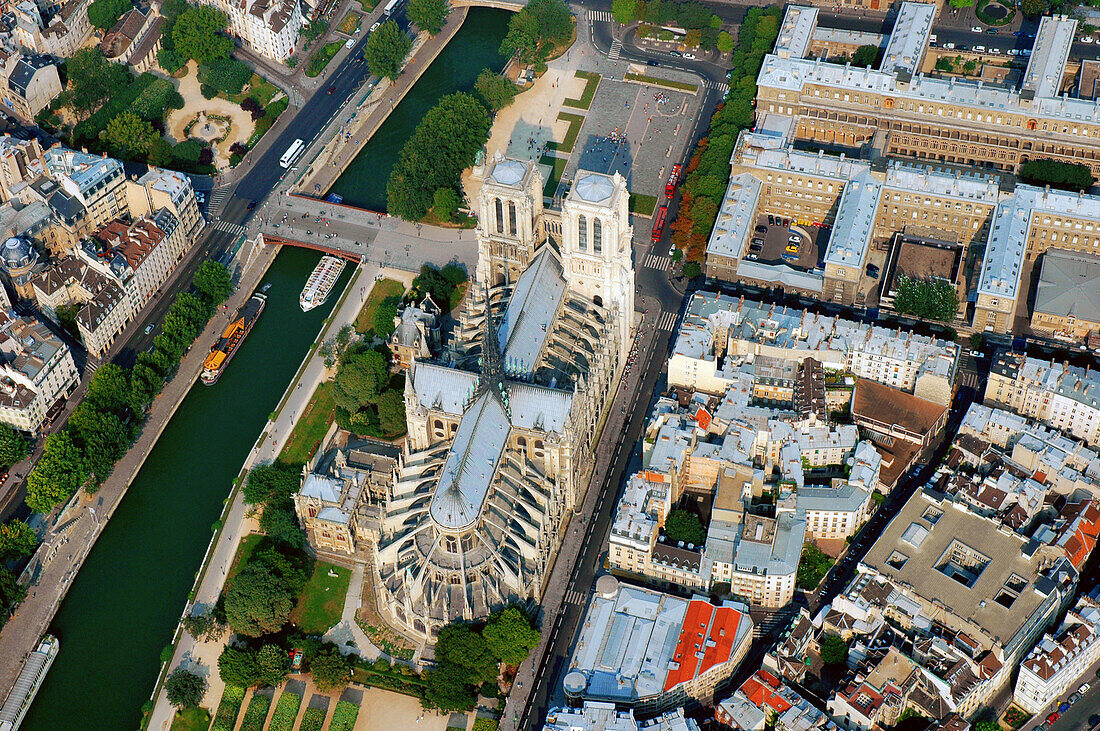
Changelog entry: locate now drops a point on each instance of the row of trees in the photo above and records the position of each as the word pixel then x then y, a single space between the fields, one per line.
pixel 428 15
pixel 468 657
pixel 708 169
pixel 269 488
pixel 386 50
pixel 367 402
pixel 108 419
pixel 704 28
pixel 1056 174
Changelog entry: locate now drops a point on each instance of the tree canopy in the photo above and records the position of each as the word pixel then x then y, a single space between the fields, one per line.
pixel 494 90
pixel 272 665
pixel 444 144
pixel 1057 174
pixel 428 15
pixel 185 689
pixel 813 564
pixel 17 539
pixel 330 669
pixel 92 80
pixel 238 666
pixel 386 50
pixel 460 645
pixel 103 14
pixel 197 34
pixel 537 29
pixel 510 636
pixel 834 650
pixel 213 282
pixel 57 475
pixel 13 446
pixel 129 135
pixel 623 11
pixel 267 482
pixel 262 595
pixel 932 299
pixel 361 376
pixel 684 525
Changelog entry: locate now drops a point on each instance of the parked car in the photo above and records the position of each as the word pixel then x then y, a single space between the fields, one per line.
pixel 148 329
pixel 1085 688
pixel 375 26
pixel 975 29
pixel 652 62
pixel 1063 707
pixel 677 54
pixel 1073 698
pixel 1094 719
pixel 755 247
pixel 979 49
pixel 1087 39
pixel 949 46
pixel 761 229
pixel 794 239
pixel 792 248
pixel 349 43
pixel 758 241
pixel 690 56
pixel 771 219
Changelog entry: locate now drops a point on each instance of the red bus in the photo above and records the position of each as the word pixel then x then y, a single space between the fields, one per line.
pixel 659 223
pixel 673 181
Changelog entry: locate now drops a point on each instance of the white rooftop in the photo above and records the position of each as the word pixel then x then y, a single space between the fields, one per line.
pixel 530 314
pixel 594 187
pixel 795 33
pixel 909 38
pixel 1043 77
pixel 508 172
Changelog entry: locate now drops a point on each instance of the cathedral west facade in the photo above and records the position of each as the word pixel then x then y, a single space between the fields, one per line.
pixel 503 427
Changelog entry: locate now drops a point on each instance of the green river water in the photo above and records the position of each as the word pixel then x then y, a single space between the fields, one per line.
pixel 476 46
pixel 127 598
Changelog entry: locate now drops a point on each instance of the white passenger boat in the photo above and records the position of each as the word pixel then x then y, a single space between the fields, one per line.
pixel 321 282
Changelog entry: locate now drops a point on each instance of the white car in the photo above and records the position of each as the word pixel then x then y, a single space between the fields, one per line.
pixel 350 42
pixel 691 56
pixel 949 46
pixel 975 29
pixel 1087 39
pixel 932 39
pixel 1085 688
pixel 995 51
pixel 375 26
pixel 979 49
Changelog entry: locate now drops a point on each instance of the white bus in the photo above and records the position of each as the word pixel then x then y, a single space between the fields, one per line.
pixel 390 7
pixel 292 152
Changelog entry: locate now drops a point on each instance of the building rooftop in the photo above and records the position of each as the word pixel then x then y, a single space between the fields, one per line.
pixel 909 38
pixel 1043 77
pixel 1069 285
pixel 532 309
pixel 796 32
pixel 887 405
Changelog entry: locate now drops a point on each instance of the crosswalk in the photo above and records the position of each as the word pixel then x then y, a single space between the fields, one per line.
pixel 970 379
pixel 233 228
pixel 616 50
pixel 656 261
pixel 602 16
pixel 666 322
pixel 576 597
pixel 216 198
pixel 720 86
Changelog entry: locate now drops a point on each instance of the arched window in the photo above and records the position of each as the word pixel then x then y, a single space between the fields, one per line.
pixel 582 233
pixel 597 235
pixel 512 218
pixel 500 215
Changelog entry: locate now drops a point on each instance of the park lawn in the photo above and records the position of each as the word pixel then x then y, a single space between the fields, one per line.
pixel 311 426
pixel 319 60
pixel 653 80
pixel 322 601
pixel 557 168
pixel 259 88
pixel 575 121
pixel 641 204
pixel 191 719
pixel 379 293
pixel 591 81
pixel 244 553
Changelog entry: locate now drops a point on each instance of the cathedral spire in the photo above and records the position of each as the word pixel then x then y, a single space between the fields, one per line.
pixel 493 378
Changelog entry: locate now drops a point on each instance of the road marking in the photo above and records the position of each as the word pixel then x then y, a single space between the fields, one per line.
pixel 667 322
pixel 216 198
pixel 616 50
pixel 602 16
pixel 655 261
pixel 720 86
pixel 233 228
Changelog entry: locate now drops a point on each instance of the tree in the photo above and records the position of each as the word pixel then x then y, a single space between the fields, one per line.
pixel 271 483
pixel 197 34
pixel 684 525
pixel 359 380
pixel 725 42
pixel 537 29
pixel 494 90
pixel 213 282
pixel 445 203
pixel 961 3
pixel 1033 8
pixel 17 539
pixel 11 591
pixel 109 390
pixel 59 473
pixel 185 689
pixel 510 636
pixel 1063 175
pixel 384 315
pixel 834 650
pixel 330 669
pixel 444 144
pixel 933 299
pixel 623 11
pixel 446 689
pixel 238 667
pixel 986 725
pixel 977 341
pixel 386 50
pixel 272 665
pixel 280 524
pixel 429 15
pixel 227 75
pixel 13 446
pixel 693 38
pixel 102 436
pixel 692 269
pixel 391 412
pixel 204 626
pixel 813 564
pixel 103 14
pixel 258 602
pixel 129 134
pixel 459 645
pixel 92 80
pixel 865 56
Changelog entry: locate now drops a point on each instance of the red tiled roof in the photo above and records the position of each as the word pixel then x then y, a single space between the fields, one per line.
pixel 708 631
pixel 702 418
pixel 761 689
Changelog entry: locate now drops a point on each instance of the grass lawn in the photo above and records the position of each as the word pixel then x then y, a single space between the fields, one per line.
pixel 191 719
pixel 458 293
pixel 259 88
pixel 311 426
pixel 643 205
pixel 245 550
pixel 592 80
pixel 350 23
pixel 661 82
pixel 557 167
pixel 575 122
pixel 322 601
pixel 368 5
pixel 382 289
pixel 319 60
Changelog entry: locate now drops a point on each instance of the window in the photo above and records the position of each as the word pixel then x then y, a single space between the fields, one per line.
pixel 512 218
pixel 597 235
pixel 500 215
pixel 897 560
pixel 582 233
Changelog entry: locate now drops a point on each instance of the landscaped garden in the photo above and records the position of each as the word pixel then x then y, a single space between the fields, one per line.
pixel 286 711
pixel 228 708
pixel 311 426
pixel 383 291
pixel 343 718
pixel 322 600
pixel 256 713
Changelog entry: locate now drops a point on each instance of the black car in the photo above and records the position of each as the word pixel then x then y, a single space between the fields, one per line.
pixel 252 204
pixel 761 229
pixel 652 62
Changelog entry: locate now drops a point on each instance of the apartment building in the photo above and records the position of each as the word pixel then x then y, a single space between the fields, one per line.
pixel 1067 297
pixel 596 716
pixel 159 188
pixel 59 33
pixel 718 331
pixel 1060 395
pixel 32 83
pixel 269 27
pixel 839 511
pixel 906 113
pixel 764 697
pixel 36 372
pixel 1060 660
pixel 650 651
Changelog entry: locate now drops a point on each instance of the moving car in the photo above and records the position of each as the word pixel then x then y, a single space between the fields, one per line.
pixel 691 56
pixel 350 42
pixel 677 54
pixel 375 26
pixel 148 329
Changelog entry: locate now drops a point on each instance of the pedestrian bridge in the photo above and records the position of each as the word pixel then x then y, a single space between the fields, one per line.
pixel 513 5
